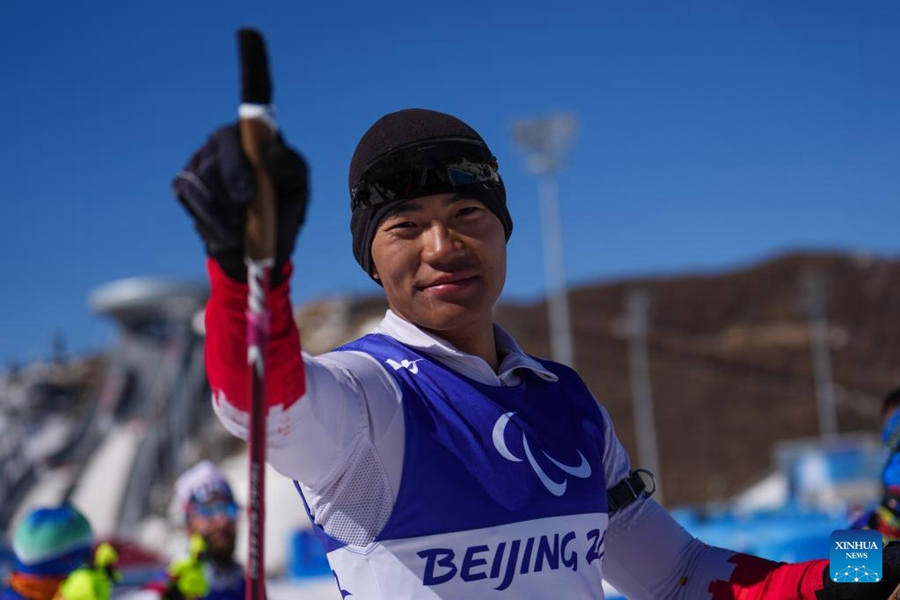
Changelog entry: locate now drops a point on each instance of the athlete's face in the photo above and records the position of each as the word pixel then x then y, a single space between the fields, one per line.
pixel 442 262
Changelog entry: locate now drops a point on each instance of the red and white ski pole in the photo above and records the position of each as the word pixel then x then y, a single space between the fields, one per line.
pixel 258 129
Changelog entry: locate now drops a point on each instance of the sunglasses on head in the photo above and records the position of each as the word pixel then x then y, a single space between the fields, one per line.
pixel 427 168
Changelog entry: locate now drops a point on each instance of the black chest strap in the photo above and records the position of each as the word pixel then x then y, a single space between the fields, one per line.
pixel 629 489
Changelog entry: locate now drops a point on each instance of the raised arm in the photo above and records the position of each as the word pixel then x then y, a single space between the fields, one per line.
pixel 319 409
pixel 216 188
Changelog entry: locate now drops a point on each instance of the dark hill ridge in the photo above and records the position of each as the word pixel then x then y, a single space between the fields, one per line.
pixel 730 361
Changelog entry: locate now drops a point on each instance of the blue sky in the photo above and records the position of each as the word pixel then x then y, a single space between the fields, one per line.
pixel 713 134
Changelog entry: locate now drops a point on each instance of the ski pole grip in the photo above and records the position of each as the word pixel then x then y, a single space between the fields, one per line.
pixel 256 135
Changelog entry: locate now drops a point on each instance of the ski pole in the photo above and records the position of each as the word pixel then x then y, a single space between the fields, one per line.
pixel 257 127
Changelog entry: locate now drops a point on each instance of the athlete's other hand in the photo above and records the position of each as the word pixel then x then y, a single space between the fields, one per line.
pixel 217 185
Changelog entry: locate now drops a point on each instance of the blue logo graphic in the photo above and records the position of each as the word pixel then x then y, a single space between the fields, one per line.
pixel 855 556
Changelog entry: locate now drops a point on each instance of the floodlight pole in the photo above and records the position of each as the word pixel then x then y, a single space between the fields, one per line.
pixel 545 141
pixel 637 308
pixel 813 290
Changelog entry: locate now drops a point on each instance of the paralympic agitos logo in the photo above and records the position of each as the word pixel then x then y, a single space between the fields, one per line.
pixel 557 488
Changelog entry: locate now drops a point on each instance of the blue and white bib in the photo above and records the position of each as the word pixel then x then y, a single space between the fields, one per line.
pixel 502 494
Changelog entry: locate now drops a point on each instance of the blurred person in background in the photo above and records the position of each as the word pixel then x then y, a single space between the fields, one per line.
pixel 208 570
pixel 885 516
pixel 210 511
pixel 54 558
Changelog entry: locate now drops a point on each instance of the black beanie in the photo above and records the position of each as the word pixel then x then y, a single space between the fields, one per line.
pixel 399 130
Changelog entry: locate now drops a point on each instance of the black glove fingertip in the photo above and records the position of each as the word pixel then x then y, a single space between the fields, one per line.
pixel 235 172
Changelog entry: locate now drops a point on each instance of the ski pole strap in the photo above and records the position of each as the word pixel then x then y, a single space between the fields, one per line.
pixel 629 489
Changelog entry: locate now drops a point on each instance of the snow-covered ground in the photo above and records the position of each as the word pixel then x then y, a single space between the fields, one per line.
pixel 314 588
pixel 101 488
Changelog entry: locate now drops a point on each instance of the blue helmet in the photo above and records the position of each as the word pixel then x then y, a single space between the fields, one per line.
pixel 52 541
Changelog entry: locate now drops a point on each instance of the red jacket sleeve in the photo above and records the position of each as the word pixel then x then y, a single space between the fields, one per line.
pixel 756 578
pixel 226 343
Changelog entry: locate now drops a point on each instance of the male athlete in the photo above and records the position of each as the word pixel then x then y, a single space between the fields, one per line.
pixel 434 457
